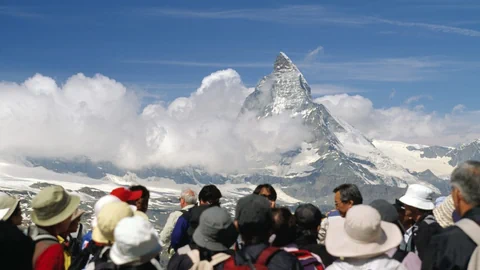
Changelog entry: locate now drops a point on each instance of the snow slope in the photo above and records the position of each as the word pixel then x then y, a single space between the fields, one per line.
pixel 412 160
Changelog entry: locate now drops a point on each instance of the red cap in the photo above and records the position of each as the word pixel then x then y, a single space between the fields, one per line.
pixel 126 195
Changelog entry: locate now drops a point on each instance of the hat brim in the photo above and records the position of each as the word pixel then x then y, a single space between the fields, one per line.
pixel 11 210
pixel 98 237
pixel 419 204
pixel 60 217
pixel 340 244
pixel 120 259
pixel 227 239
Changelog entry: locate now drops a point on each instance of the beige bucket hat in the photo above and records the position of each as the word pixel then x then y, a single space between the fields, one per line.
pixel 52 205
pixel 108 219
pixel 361 234
pixel 443 213
pixel 8 204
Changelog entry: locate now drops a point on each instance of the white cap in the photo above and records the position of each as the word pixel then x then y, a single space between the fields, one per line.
pixel 418 196
pixel 100 204
pixel 135 241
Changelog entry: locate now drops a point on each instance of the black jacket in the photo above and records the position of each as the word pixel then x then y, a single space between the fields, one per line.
pixel 282 260
pixel 309 242
pixel 452 249
pixel 16 249
pixel 423 232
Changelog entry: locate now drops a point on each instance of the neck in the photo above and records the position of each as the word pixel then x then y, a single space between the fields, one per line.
pixel 51 230
pixel 464 209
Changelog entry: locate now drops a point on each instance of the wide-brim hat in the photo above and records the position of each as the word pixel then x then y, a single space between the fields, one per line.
pixel 53 205
pixel 216 230
pixel 136 241
pixel 354 236
pixel 108 219
pixel 418 196
pixel 8 204
pixel 443 213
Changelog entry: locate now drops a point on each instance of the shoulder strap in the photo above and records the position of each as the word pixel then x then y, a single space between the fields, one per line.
pixel 399 255
pixel 219 258
pixel 44 237
pixel 266 255
pixel 471 228
pixel 194 255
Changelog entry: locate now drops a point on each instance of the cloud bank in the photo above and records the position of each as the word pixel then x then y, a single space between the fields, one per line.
pixel 100 118
pixel 403 123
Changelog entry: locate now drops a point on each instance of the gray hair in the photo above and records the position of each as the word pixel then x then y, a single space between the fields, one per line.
pixel 466 178
pixel 189 196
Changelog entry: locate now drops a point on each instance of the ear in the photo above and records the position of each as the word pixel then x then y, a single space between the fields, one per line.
pixel 235 223
pixel 350 204
pixel 319 228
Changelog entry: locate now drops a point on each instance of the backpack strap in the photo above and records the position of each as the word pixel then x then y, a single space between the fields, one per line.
pixel 471 228
pixel 399 255
pixel 266 255
pixel 194 255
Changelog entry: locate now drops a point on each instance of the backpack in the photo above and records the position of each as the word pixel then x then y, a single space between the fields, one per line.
pixel 260 263
pixel 308 260
pixel 194 255
pixel 400 255
pixel 472 229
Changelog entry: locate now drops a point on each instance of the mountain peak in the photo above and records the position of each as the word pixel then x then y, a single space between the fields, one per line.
pixel 283 63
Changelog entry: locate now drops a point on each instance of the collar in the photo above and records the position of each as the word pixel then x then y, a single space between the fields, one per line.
pixel 188 207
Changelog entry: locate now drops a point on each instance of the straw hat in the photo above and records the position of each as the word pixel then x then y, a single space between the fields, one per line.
pixel 443 213
pixel 361 234
pixel 418 196
pixel 108 219
pixel 53 205
pixel 8 204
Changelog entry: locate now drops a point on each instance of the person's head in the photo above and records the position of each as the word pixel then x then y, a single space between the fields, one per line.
pixel 108 219
pixel 284 227
pixel 100 204
pixel 417 201
pixel 187 197
pixel 53 208
pixel 253 217
pixel 308 218
pixel 142 202
pixel 136 242
pixel 387 212
pixel 267 191
pixel 465 182
pixel 361 234
pixel 346 196
pixel 215 231
pixel 76 217
pixel 210 195
pixel 10 210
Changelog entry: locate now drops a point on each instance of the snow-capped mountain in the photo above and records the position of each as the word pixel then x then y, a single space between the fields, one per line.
pixel 334 154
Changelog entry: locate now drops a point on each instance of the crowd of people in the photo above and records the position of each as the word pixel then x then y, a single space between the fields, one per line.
pixel 415 232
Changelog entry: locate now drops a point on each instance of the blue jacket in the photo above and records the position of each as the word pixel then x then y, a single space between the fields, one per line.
pixel 180 233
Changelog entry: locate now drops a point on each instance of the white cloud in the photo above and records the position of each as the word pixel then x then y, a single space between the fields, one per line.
pixel 402 123
pixel 312 56
pixel 459 108
pixel 413 99
pixel 102 119
pixel 302 14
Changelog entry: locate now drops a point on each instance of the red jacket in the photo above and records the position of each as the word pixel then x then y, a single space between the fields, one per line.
pixel 51 259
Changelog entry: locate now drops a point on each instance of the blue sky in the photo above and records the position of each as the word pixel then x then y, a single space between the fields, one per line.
pixel 395 53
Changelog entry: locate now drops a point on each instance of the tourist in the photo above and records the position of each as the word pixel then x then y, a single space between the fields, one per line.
pixel 267 191
pixel 10 209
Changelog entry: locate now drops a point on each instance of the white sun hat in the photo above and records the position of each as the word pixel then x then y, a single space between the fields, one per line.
pixel 418 196
pixel 136 241
pixel 361 234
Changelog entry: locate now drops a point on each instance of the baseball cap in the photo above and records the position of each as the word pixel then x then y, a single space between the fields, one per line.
pixel 126 195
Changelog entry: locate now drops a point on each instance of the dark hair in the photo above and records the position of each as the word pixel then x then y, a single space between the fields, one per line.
pixel 210 194
pixel 349 192
pixel 269 188
pixel 283 227
pixel 145 192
